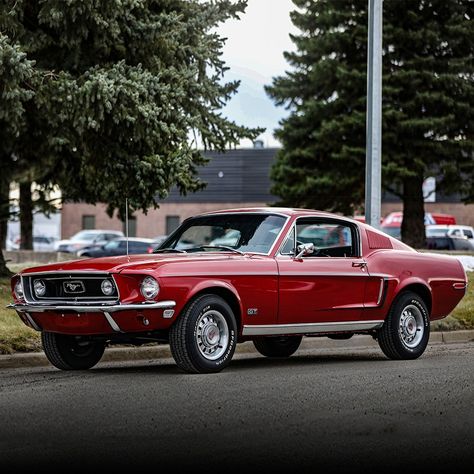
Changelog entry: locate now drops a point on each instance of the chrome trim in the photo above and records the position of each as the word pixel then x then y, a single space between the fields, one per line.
pixel 112 322
pixel 272 248
pixel 292 230
pixel 32 322
pixel 85 299
pixel 309 328
pixel 39 308
pixel 460 286
pixel 382 284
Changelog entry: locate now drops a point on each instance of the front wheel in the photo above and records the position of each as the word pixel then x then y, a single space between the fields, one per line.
pixel 406 330
pixel 278 347
pixel 203 338
pixel 71 353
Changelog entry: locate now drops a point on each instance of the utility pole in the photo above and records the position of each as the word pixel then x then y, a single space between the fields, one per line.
pixel 373 163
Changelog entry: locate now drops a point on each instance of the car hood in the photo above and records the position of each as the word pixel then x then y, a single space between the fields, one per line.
pixel 141 262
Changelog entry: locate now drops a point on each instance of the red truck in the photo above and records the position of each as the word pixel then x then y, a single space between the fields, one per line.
pixel 392 223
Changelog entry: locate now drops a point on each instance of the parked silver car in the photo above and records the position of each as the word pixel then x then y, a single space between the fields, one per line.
pixel 87 237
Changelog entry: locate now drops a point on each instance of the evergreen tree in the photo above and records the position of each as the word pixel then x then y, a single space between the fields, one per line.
pixel 15 73
pixel 119 89
pixel 428 92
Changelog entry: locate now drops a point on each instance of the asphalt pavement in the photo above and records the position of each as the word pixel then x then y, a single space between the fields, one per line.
pixel 326 409
pixel 155 351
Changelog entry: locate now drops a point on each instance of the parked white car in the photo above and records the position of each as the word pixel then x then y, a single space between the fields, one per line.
pixel 41 243
pixel 85 238
pixel 44 244
pixel 452 230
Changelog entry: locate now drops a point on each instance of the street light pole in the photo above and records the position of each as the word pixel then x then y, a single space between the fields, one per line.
pixel 373 163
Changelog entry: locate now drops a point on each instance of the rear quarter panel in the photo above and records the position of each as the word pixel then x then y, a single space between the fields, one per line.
pixel 437 273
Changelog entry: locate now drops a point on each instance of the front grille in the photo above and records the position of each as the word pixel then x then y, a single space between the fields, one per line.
pixel 73 287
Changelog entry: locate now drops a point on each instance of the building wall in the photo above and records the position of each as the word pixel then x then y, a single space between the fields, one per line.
pixel 151 225
pixel 154 223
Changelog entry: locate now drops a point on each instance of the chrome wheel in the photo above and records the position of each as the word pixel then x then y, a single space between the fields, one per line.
pixel 212 335
pixel 411 327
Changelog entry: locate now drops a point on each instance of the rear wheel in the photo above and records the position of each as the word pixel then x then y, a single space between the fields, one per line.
pixel 284 346
pixel 203 338
pixel 70 352
pixel 406 330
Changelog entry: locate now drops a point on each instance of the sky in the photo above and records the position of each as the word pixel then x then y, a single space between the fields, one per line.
pixel 254 53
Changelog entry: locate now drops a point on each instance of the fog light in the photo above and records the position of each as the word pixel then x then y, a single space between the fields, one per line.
pixel 39 287
pixel 107 287
pixel 19 289
pixel 149 288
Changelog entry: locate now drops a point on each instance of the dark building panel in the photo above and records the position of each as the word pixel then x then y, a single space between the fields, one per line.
pixel 241 175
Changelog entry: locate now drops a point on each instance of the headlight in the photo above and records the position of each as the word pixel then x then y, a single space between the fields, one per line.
pixel 19 289
pixel 107 287
pixel 149 288
pixel 39 287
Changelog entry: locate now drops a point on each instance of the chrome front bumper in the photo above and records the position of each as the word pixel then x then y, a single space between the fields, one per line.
pixel 106 309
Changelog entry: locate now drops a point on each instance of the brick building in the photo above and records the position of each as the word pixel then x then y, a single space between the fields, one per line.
pixel 238 178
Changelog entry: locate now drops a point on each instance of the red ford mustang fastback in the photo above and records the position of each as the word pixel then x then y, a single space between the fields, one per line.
pixel 268 275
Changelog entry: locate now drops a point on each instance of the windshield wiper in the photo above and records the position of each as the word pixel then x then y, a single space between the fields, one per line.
pixel 218 247
pixel 169 249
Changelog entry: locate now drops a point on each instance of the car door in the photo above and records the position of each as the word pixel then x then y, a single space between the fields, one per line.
pixel 327 285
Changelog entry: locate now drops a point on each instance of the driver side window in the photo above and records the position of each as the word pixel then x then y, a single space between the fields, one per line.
pixel 330 238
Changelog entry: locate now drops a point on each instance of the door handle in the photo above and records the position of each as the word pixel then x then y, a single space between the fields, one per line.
pixel 359 264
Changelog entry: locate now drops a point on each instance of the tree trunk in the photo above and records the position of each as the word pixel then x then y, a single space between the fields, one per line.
pixel 4 215
pixel 413 224
pixel 4 210
pixel 26 216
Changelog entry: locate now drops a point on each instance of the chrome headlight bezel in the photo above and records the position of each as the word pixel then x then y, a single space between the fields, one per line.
pixel 107 287
pixel 18 289
pixel 39 287
pixel 149 288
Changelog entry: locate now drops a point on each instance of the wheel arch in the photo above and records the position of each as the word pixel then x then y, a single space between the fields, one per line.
pixel 421 289
pixel 227 293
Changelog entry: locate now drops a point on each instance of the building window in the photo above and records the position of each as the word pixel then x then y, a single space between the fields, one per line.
pixel 132 227
pixel 88 222
pixel 172 223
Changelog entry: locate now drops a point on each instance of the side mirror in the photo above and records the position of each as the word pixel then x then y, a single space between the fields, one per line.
pixel 304 249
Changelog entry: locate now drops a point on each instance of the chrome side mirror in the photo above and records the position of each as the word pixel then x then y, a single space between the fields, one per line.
pixel 304 249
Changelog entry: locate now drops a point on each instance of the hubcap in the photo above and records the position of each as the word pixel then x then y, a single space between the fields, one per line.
pixel 412 326
pixel 212 335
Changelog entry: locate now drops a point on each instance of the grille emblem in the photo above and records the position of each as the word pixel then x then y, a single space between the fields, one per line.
pixel 75 286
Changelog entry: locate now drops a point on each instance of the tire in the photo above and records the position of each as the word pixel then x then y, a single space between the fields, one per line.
pixel 203 338
pixel 278 347
pixel 406 330
pixel 65 352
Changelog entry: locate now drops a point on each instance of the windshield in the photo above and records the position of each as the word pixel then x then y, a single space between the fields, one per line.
pixel 244 232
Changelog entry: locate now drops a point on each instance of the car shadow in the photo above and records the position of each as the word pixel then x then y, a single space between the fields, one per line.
pixel 244 362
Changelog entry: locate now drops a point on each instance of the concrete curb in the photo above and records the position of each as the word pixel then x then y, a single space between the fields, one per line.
pixel 117 354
